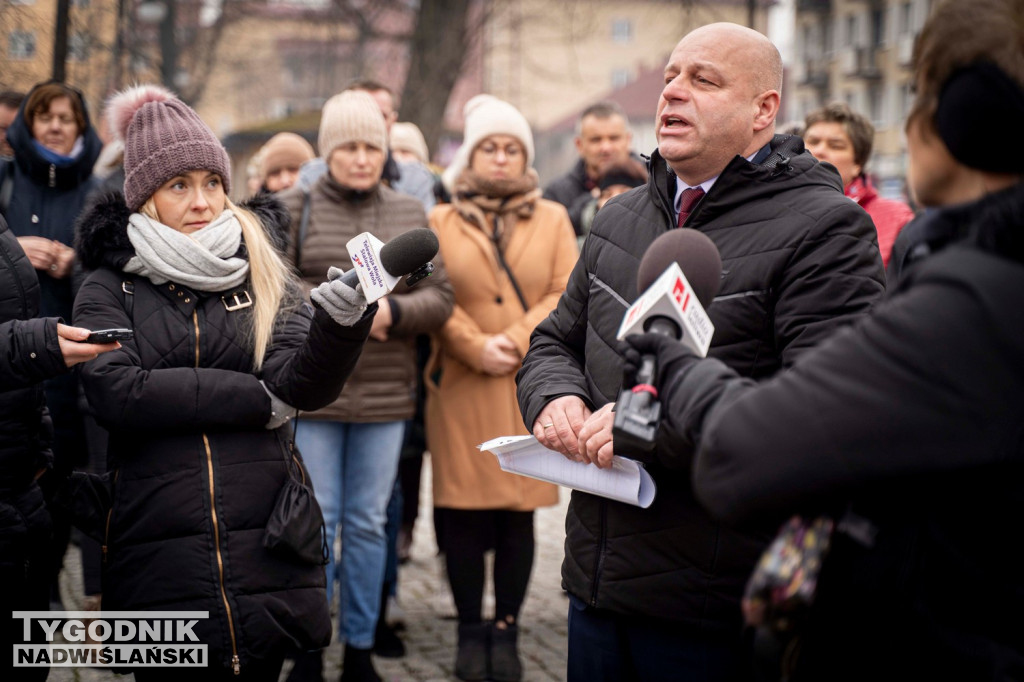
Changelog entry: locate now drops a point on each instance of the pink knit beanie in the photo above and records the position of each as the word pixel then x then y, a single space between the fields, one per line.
pixel 163 137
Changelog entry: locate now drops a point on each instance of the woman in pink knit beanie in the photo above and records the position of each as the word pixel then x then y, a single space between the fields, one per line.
pixel 223 354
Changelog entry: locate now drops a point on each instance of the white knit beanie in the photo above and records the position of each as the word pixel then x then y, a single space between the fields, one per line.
pixel 487 115
pixel 407 137
pixel 351 116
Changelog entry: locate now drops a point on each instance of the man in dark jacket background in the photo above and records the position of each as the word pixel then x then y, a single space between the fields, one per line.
pixel 655 592
pixel 603 140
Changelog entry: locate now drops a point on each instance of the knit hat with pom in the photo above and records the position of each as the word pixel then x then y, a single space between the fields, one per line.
pixel 351 116
pixel 163 137
pixel 487 115
pixel 284 150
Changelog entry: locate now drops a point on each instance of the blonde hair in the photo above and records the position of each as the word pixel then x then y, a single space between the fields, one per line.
pixel 270 276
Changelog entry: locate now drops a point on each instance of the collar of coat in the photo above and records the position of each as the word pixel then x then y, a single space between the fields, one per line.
pixel 787 165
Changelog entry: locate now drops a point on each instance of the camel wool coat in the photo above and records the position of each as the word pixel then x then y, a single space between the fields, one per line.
pixel 466 407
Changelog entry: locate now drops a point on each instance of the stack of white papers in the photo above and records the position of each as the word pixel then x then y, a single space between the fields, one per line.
pixel 626 480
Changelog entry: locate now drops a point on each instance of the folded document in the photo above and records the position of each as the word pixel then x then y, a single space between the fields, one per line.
pixel 626 480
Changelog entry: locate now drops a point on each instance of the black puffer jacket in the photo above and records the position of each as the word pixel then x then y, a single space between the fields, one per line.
pixel 799 261
pixel 196 472
pixel 29 353
pixel 914 414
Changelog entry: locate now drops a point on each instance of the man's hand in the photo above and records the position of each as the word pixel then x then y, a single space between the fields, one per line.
pixel 41 252
pixel 382 320
pixel 595 438
pixel 499 356
pixel 559 423
pixel 74 351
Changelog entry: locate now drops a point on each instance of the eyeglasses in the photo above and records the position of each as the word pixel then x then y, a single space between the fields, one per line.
pixel 511 151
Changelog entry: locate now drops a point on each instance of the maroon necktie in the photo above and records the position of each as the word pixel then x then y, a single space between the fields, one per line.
pixel 687 200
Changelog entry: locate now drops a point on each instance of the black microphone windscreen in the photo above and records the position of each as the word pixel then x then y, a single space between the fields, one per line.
pixel 408 251
pixel 696 255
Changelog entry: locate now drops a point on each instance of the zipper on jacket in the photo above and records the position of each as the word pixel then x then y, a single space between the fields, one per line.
pixel 235 665
pixel 106 527
pixel 195 323
pixel 53 175
pixel 601 551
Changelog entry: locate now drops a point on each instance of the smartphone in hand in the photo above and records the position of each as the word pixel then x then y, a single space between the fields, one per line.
pixel 110 335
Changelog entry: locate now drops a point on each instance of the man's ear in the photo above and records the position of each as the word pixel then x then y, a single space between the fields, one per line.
pixel 766 109
pixel 579 144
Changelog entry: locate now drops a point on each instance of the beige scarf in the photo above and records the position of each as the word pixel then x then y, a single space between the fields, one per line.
pixel 480 201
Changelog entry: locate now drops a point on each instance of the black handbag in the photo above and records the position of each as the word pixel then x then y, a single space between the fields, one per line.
pixel 295 529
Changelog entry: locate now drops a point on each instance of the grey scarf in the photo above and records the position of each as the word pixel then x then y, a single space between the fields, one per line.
pixel 204 260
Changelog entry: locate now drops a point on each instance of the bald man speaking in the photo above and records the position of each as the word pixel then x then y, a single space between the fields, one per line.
pixel 655 592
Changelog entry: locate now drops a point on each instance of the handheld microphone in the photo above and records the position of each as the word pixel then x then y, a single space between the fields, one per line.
pixel 378 267
pixel 671 305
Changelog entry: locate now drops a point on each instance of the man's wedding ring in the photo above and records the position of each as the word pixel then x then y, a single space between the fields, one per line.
pixel 53 266
pixel 548 425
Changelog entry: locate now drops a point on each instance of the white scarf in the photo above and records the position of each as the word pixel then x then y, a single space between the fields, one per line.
pixel 204 260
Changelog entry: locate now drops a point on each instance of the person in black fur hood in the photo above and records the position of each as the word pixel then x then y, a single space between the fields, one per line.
pixel 224 353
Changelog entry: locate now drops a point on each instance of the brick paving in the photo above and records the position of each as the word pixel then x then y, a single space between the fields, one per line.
pixel 428 610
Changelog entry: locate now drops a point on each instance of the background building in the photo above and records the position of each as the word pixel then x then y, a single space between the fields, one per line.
pixel 859 52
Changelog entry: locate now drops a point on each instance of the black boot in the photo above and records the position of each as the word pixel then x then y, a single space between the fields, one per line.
pixel 357 666
pixel 471 659
pixel 309 667
pixel 505 663
pixel 386 642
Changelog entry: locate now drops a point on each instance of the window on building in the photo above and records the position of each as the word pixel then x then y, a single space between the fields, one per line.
pixel 21 44
pixel 622 31
pixel 79 3
pixel 850 31
pixel 876 106
pixel 78 47
pixel 620 78
pixel 906 23
pixel 877 28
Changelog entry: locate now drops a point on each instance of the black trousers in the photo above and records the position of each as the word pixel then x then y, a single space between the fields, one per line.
pixel 466 535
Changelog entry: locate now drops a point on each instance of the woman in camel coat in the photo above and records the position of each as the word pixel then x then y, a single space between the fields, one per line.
pixel 496 223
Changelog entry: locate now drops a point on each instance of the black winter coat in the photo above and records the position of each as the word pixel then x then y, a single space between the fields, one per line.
pixel 47 198
pixel 29 353
pixel 195 472
pixel 915 414
pixel 799 261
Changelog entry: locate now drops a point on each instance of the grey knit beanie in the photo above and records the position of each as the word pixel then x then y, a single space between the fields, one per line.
pixel 351 116
pixel 163 137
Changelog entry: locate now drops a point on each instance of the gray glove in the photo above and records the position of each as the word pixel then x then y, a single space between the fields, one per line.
pixel 344 304
pixel 280 411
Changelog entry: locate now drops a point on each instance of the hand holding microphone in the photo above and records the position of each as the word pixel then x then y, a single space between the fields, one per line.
pixel 671 309
pixel 342 302
pixel 378 269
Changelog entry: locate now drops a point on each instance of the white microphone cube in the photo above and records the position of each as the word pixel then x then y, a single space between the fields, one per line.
pixel 672 297
pixel 364 250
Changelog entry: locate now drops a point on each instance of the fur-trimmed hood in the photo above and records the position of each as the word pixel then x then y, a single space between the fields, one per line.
pixel 101 231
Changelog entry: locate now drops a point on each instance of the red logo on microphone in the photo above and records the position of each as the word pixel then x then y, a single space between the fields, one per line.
pixel 678 291
pixel 359 263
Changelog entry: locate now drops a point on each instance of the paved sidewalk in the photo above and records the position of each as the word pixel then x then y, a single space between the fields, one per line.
pixel 428 610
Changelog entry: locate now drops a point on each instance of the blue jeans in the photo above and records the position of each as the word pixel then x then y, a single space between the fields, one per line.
pixel 353 468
